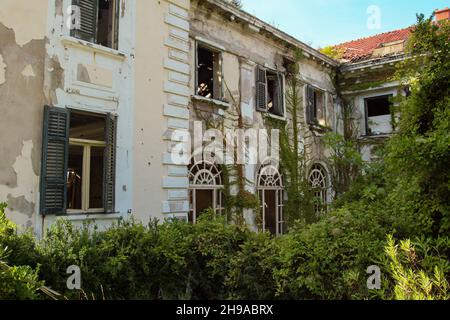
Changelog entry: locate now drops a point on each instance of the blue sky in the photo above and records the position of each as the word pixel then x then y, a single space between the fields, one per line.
pixel 324 22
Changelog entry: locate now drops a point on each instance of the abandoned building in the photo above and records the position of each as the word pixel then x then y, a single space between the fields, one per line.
pixel 90 108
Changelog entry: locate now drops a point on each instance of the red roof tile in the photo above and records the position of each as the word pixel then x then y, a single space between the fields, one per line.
pixel 364 48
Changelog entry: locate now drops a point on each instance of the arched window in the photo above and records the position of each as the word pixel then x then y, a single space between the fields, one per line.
pixel 271 198
pixel 319 182
pixel 205 189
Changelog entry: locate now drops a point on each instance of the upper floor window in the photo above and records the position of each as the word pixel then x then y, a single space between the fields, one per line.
pixel 209 73
pixel 269 91
pixel 316 106
pixel 98 21
pixel 378 115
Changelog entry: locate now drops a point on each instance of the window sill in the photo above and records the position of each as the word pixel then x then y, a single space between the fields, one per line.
pixel 217 103
pixel 78 43
pixel 319 129
pixel 375 136
pixel 92 216
pixel 274 116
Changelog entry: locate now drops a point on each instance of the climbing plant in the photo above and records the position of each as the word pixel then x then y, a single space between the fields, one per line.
pixel 236 196
pixel 299 205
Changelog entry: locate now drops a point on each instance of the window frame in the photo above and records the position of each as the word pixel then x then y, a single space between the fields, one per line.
pixel 212 48
pixel 216 189
pixel 55 158
pixel 86 176
pixel 390 95
pixel 320 192
pixel 282 82
pixel 313 120
pixel 115 26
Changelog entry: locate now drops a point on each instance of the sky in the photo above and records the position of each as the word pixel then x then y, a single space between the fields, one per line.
pixel 320 23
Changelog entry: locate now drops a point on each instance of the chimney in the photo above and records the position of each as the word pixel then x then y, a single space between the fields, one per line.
pixel 443 14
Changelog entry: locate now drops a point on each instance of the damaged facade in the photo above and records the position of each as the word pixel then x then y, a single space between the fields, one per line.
pixel 90 112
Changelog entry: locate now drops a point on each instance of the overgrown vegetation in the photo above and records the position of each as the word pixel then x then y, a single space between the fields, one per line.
pixel 396 216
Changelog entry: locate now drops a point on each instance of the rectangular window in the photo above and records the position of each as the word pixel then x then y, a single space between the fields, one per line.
pixel 209 73
pixel 316 106
pixel 86 154
pixel 78 162
pixel 269 92
pixel 378 115
pixel 98 21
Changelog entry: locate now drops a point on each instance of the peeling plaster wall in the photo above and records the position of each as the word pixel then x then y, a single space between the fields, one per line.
pixel 89 77
pixel 240 43
pixel 242 49
pixel 22 52
pixel 26 18
pixel 39 66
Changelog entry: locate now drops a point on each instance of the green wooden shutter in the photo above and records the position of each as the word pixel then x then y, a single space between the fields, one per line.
pixel 310 105
pixel 88 20
pixel 110 164
pixel 261 89
pixel 55 151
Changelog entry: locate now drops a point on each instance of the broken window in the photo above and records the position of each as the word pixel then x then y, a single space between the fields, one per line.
pixel 378 115
pixel 78 162
pixel 316 107
pixel 209 73
pixel 269 92
pixel 98 21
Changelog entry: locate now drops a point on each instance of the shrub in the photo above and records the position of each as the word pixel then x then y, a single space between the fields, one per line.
pixel 411 280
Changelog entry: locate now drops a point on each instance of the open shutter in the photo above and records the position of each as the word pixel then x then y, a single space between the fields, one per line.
pixel 310 112
pixel 279 105
pixel 261 89
pixel 55 150
pixel 110 164
pixel 88 20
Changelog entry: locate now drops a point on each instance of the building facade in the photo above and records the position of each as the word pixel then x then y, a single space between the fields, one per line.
pixel 96 97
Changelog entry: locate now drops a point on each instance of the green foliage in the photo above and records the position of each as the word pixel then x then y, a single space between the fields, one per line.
pixel 411 281
pixel 16 282
pixel 404 194
pixel 299 205
pixel 333 52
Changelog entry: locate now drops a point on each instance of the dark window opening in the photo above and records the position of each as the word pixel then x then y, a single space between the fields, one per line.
pixel 87 127
pixel 379 106
pixel 271 212
pixel 85 173
pixel 96 177
pixel 269 92
pixel 106 35
pixel 75 178
pixel 274 94
pixel 316 112
pixel 98 22
pixel 378 115
pixel 209 73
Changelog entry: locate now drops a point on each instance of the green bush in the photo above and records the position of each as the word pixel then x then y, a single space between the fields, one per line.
pixel 411 280
pixel 17 281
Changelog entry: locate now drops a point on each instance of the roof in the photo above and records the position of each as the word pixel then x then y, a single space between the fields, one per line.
pixel 370 47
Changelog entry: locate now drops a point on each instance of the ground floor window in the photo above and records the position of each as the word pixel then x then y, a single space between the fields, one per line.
pixel 78 162
pixel 271 198
pixel 205 189
pixel 319 182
